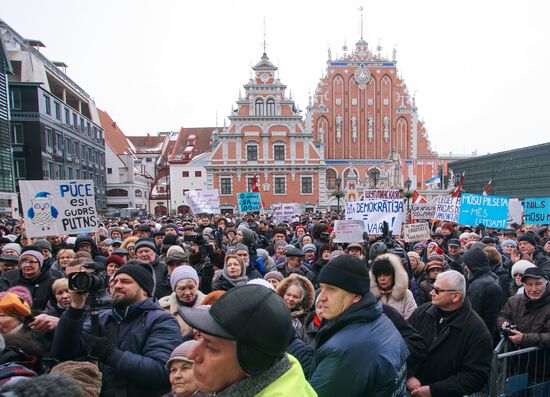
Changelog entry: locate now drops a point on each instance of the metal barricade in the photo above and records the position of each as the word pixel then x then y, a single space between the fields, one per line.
pixel 519 372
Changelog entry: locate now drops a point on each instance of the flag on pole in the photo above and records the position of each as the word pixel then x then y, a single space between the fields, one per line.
pixel 458 190
pixel 255 188
pixel 434 179
pixel 417 198
pixel 487 187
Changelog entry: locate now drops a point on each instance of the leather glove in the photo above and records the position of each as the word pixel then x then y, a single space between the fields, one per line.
pixel 99 347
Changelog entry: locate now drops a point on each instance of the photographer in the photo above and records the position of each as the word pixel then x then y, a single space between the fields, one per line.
pixel 134 339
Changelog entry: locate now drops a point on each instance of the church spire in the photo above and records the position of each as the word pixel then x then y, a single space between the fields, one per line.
pixel 361 11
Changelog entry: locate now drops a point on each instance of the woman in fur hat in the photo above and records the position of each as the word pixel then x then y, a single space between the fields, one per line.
pixel 298 294
pixel 389 283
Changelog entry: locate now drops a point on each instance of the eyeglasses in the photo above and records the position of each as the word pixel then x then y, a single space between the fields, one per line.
pixel 28 262
pixel 439 290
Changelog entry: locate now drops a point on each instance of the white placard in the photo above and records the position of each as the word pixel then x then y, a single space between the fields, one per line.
pixel 447 208
pixel 375 212
pixel 283 212
pixel 416 232
pixel 423 211
pixel 377 194
pixel 349 231
pixel 56 208
pixel 205 201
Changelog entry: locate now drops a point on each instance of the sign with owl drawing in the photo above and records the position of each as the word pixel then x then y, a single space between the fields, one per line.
pixel 53 208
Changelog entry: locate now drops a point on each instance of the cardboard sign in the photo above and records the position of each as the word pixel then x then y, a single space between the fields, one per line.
pixel 515 212
pixel 423 211
pixel 375 212
pixel 349 231
pixel 58 207
pixel 537 210
pixel 206 201
pixel 491 211
pixel 447 208
pixel 416 232
pixel 249 201
pixel 377 194
pixel 283 212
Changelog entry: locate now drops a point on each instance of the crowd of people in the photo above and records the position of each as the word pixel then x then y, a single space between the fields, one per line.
pixel 240 305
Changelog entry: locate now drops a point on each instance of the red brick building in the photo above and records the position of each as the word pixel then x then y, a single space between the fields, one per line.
pixel 365 119
pixel 267 140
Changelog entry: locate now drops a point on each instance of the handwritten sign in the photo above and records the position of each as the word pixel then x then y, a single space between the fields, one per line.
pixel 376 194
pixel 537 210
pixel 283 212
pixel 423 211
pixel 249 201
pixel 349 231
pixel 206 201
pixel 375 212
pixel 416 232
pixel 58 207
pixel 491 211
pixel 447 208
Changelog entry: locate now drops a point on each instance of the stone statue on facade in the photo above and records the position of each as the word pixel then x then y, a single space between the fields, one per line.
pixel 370 127
pixel 338 127
pixel 354 128
pixel 386 127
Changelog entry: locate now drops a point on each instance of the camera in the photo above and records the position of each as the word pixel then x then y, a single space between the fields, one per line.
pixel 88 281
pixel 505 332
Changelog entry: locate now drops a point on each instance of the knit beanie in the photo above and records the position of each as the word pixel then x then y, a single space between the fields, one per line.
pixel 84 373
pixel 309 247
pixel 448 226
pixel 279 244
pixel 274 274
pixel 239 247
pixel 21 292
pixel 145 242
pixel 12 246
pixel 521 266
pixel 183 272
pixel 248 235
pixel 35 254
pixel 412 254
pixel 171 226
pixel 170 239
pixel 114 259
pixel 508 242
pixel 348 273
pixel 175 248
pixel 44 245
pixel 142 273
pixel 529 237
pixel 336 254
pixel 181 352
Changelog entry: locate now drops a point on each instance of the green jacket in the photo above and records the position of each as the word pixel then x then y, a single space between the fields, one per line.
pixel 291 383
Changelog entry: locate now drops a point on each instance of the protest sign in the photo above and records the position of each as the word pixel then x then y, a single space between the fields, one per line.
pixel 374 212
pixel 423 211
pixel 416 232
pixel 283 212
pixel 537 210
pixel 249 201
pixel 206 201
pixel 376 194
pixel 349 231
pixel 58 207
pixel 447 208
pixel 491 211
pixel 515 212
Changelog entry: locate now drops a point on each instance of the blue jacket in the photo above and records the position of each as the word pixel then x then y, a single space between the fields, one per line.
pixel 360 353
pixel 147 335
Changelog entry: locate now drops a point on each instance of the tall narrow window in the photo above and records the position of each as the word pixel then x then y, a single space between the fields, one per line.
pixel 19 168
pixel 17 134
pixel 279 183
pixel 270 107
pixel 307 185
pixel 279 152
pixel 259 107
pixel 251 152
pixel 15 98
pixel 48 104
pixel 225 185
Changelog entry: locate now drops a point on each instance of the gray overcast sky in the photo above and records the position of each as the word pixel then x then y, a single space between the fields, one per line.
pixel 480 68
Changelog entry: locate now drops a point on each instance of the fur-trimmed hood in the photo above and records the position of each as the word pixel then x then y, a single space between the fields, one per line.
pixel 308 300
pixel 401 278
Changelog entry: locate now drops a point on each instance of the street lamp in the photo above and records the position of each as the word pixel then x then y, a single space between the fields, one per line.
pixel 375 174
pixel 338 193
pixel 408 194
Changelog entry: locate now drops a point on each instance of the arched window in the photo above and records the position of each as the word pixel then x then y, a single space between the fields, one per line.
pixel 117 193
pixel 270 107
pixel 331 179
pixel 259 108
pixel 139 193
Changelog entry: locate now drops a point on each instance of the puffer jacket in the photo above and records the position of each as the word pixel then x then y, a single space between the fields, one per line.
pixel 459 356
pixel 400 296
pixel 360 353
pixel 146 336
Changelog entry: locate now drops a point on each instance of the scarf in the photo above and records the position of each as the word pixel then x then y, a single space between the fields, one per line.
pixel 235 281
pixel 249 387
pixel 188 304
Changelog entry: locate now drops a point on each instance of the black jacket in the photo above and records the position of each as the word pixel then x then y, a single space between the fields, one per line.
pixel 459 357
pixel 40 288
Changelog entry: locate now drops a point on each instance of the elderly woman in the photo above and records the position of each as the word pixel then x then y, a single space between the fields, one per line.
pixel 129 244
pixel 233 274
pixel 279 248
pixel 417 266
pixel 181 373
pixel 60 289
pixel 64 257
pixel 389 283
pixel 299 295
pixel 15 310
pixel 184 281
pixel 11 249
pixel 518 269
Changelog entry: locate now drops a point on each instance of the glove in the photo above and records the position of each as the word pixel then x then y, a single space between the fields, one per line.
pixel 99 347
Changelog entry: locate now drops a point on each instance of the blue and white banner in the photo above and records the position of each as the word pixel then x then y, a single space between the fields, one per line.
pixel 434 179
pixel 491 211
pixel 375 212
pixel 57 208
pixel 537 210
pixel 249 201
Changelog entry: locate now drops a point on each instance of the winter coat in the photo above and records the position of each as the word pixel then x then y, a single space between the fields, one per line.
pixel 171 305
pixel 300 311
pixel 224 284
pixel 40 288
pixel 291 383
pixel 484 291
pixel 426 287
pixel 459 357
pixel 162 281
pixel 359 353
pixel 308 332
pixel 399 297
pixel 146 336
pixel 532 318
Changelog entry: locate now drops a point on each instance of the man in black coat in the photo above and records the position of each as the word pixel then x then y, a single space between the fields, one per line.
pixel 460 352
pixel 484 290
pixel 146 252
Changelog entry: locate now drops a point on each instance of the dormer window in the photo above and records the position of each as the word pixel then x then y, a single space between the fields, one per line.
pixel 259 107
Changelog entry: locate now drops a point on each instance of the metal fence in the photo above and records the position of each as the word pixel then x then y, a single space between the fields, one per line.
pixel 519 373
